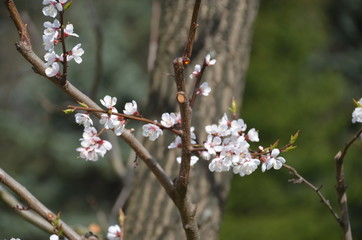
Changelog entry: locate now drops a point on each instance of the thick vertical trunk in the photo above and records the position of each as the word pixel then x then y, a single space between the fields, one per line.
pixel 225 29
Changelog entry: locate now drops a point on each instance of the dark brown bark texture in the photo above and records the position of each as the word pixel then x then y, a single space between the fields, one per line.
pixel 225 29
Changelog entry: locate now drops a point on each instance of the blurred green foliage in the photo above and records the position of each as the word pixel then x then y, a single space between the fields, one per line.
pixel 304 72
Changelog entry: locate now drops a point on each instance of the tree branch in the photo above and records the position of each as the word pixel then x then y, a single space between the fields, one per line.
pixel 36 205
pixel 27 214
pixel 192 31
pixel 341 188
pixel 301 179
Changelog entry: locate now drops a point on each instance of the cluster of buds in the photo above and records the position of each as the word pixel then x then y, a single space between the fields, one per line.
pixel 56 32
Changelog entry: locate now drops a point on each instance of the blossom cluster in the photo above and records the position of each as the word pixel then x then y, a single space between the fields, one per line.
pixel 357 112
pixel 53 34
pixel 227 147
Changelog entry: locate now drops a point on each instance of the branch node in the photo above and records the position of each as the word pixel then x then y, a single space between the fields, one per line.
pixel 181 97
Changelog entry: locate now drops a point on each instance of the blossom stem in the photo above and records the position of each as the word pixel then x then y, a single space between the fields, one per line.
pixel 197 84
pixel 62 39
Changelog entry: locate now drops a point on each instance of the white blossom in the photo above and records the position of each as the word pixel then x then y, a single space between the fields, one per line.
pixel 204 89
pixel 53 237
pixel 209 62
pixel 109 101
pixel 131 108
pixel 76 54
pixel 52 70
pixel 253 135
pixel 83 119
pixel 151 131
pixel 357 115
pixel 196 71
pixel 114 232
pixel 273 161
pixel 69 30
pixel 168 119
pixel 193 160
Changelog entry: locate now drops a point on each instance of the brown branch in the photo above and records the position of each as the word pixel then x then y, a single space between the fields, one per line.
pixel 36 205
pixel 186 209
pixel 341 188
pixel 192 31
pixel 301 179
pixel 183 179
pixel 28 214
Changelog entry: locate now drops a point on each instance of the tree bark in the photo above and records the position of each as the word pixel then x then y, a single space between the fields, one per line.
pixel 225 29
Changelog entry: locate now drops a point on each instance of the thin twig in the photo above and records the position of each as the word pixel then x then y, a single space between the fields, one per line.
pixel 301 179
pixel 64 62
pixel 28 214
pixel 197 84
pixel 34 204
pixel 341 188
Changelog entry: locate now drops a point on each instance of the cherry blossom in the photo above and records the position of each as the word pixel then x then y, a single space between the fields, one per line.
pixel 209 62
pixel 109 121
pixel 193 160
pixel 131 108
pixel 109 101
pixel 52 29
pixel 51 57
pixel 217 165
pixel 53 237
pixel 204 89
pixel 52 70
pixel 76 54
pixel 273 161
pixel 253 135
pixel 357 112
pixel 168 119
pixel 83 119
pixel 69 30
pixel 151 131
pixel 196 71
pixel 357 115
pixel 48 42
pixel 114 232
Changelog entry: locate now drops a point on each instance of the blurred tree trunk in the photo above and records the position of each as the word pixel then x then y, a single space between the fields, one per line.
pixel 225 29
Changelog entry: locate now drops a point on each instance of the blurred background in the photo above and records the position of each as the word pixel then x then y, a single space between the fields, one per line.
pixel 305 69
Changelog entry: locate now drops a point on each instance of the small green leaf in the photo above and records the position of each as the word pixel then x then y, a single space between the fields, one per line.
pixel 83 104
pixel 234 106
pixel 290 148
pixel 274 145
pixel 294 137
pixel 357 103
pixel 67 111
pixel 67 5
